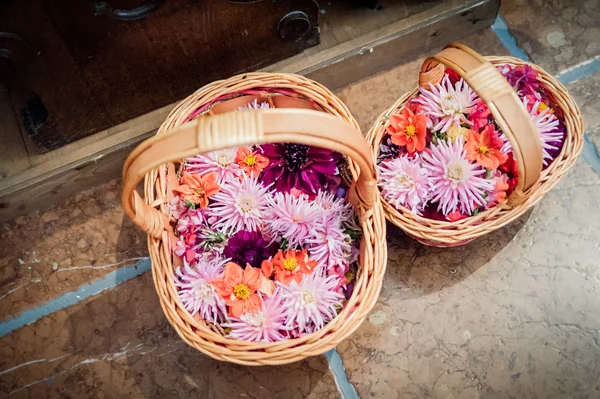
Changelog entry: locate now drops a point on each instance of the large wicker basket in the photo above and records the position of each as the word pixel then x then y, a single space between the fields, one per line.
pixel 481 74
pixel 307 113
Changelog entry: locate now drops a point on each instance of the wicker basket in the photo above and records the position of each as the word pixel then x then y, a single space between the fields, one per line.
pixel 307 113
pixel 480 73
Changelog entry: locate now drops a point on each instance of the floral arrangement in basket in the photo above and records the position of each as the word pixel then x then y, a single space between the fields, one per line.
pixel 268 242
pixel 444 157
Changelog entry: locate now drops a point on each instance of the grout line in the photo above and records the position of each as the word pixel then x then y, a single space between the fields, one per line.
pixel 336 366
pixel 71 298
pixel 579 71
pixel 507 39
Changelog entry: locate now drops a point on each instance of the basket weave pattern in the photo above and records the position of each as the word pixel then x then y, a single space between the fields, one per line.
pixel 229 129
pixel 448 234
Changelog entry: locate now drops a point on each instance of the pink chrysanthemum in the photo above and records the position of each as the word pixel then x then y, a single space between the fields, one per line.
pixel 221 161
pixel 448 104
pixel 331 205
pixel 290 217
pixel 455 183
pixel 328 245
pixel 404 182
pixel 547 125
pixel 254 105
pixel 312 302
pixel 239 205
pixel 196 291
pixel 266 325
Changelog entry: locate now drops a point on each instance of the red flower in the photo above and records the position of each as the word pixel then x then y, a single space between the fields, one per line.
pixel 484 148
pixel 408 129
pixel 480 116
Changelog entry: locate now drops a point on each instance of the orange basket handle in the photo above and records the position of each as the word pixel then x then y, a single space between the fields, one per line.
pixel 503 102
pixel 234 129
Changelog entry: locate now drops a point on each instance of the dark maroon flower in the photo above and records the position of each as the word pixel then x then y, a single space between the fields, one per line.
pixel 389 150
pixel 304 167
pixel 248 247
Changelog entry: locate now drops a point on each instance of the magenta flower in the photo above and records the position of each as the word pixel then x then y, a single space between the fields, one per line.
pixel 290 217
pixel 404 182
pixel 312 302
pixel 248 247
pixel 305 167
pixel 266 325
pixel 197 293
pixel 222 162
pixel 455 183
pixel 239 205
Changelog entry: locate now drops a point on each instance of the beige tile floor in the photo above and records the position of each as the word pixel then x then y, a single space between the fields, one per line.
pixel 511 315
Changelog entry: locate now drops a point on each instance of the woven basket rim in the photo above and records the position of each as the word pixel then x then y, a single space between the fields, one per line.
pixel 369 280
pixel 467 229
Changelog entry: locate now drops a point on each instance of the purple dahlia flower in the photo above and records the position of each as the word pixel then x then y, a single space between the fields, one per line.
pixel 248 247
pixel 304 167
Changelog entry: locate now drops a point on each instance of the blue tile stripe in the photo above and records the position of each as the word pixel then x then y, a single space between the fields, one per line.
pixel 580 71
pixel 339 373
pixel 507 39
pixel 71 298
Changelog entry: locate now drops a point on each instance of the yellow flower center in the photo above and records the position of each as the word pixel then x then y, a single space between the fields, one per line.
pixel 224 160
pixel 250 160
pixel 290 264
pixel 308 297
pixel 483 149
pixel 241 291
pixel 200 192
pixel 410 130
pixel 246 204
pixel 455 173
pixel 542 107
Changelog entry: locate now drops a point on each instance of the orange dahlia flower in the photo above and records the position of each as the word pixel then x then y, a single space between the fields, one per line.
pixel 484 148
pixel 198 189
pixel 292 265
pixel 251 162
pixel 408 129
pixel 238 288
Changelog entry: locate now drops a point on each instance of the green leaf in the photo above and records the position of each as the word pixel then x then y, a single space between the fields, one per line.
pixel 283 245
pixel 488 173
pixel 190 204
pixel 476 211
pixel 354 234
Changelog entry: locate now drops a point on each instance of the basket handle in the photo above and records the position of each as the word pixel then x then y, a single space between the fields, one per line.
pixel 503 102
pixel 233 129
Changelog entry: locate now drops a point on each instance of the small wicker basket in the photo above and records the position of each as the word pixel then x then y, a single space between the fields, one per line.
pixel 481 74
pixel 306 113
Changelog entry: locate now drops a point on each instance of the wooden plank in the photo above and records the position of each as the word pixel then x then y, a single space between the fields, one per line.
pixel 13 153
pixel 394 43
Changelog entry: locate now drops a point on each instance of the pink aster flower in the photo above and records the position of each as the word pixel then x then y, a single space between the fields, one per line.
pixel 311 302
pixel 240 205
pixel 290 217
pixel 404 182
pixel 548 128
pixel 196 291
pixel 448 104
pixel 265 325
pixel 222 162
pixel 328 245
pixel 456 184
pixel 254 105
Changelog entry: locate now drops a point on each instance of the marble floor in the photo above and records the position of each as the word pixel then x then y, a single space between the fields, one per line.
pixel 512 315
